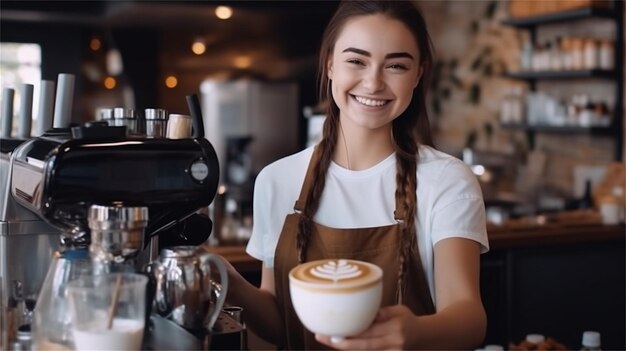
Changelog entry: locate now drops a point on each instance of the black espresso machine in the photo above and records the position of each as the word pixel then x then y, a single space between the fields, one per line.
pixel 59 175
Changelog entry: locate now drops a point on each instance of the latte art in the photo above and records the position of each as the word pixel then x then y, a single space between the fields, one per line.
pixel 336 274
pixel 336 270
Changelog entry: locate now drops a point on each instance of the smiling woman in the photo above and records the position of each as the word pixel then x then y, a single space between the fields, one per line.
pixel 373 189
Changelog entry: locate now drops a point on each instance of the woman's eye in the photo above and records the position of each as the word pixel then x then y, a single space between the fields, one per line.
pixel 355 62
pixel 397 66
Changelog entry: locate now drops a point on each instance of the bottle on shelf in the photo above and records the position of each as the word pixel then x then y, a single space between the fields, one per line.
pixel 590 54
pixel 533 340
pixel 556 57
pixel 526 56
pixel 591 341
pixel 578 57
pixel 606 56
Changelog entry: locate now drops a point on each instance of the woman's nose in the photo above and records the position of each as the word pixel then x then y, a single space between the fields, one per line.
pixel 373 81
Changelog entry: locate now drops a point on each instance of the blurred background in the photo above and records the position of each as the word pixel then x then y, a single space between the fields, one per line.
pixel 490 95
pixel 530 94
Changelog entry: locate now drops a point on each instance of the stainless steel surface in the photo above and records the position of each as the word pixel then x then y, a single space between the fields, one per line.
pixel 184 287
pixel 64 100
pixel 117 232
pixel 156 122
pixel 46 107
pixel 26 111
pixel 122 116
pixel 163 334
pixel 26 181
pixel 26 247
pixel 7 113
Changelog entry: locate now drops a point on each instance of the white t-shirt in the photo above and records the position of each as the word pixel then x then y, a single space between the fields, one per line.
pixel 449 201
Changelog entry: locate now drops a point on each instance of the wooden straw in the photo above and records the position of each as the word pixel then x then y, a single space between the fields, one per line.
pixel 113 306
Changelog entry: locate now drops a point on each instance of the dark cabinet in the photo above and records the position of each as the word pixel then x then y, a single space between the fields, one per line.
pixel 558 290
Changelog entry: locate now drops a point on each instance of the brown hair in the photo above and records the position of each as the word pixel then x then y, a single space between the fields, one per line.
pixel 409 129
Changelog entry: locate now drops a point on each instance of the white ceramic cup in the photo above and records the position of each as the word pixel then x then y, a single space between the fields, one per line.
pixel 336 297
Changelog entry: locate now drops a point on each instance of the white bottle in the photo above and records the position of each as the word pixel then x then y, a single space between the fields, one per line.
pixel 590 54
pixel 591 341
pixel 526 56
pixel 533 341
pixel 607 55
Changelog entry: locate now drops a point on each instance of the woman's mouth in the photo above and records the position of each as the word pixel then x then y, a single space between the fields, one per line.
pixel 370 102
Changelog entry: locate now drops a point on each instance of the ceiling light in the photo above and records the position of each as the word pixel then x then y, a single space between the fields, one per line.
pixel 223 12
pixel 171 82
pixel 198 47
pixel 242 61
pixel 95 44
pixel 110 83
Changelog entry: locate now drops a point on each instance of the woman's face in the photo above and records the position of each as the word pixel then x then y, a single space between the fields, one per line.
pixel 374 68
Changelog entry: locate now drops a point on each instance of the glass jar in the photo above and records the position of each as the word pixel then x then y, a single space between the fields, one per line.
pixel 51 324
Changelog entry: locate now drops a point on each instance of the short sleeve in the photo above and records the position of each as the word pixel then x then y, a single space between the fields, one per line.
pixel 257 245
pixel 459 209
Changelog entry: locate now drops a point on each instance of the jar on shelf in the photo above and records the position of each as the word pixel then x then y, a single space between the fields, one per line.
pixel 606 55
pixel 565 48
pixel 590 341
pixel 526 55
pixel 578 62
pixel 590 54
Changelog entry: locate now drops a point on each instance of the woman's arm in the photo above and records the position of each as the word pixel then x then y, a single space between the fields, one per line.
pixel 259 304
pixel 459 322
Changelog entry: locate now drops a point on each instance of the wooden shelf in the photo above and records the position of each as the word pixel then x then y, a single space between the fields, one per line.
pixel 560 129
pixel 564 16
pixel 577 74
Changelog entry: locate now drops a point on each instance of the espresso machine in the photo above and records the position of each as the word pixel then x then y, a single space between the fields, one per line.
pixel 52 181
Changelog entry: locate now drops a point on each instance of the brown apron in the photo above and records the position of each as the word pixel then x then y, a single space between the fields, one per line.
pixel 378 245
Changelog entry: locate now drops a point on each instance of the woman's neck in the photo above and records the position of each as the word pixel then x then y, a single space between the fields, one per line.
pixel 358 149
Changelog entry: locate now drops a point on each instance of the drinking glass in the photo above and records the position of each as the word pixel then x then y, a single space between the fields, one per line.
pixel 108 311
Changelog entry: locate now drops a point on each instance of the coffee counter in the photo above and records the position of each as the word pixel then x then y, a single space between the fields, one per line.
pixel 237 256
pixel 499 238
pixel 553 234
pixel 555 279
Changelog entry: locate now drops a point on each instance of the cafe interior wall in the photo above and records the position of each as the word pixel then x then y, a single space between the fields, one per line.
pixel 473 48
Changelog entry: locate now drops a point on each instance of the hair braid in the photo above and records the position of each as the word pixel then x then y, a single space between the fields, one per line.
pixel 406 190
pixel 327 148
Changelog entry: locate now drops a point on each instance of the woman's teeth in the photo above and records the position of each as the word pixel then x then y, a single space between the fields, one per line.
pixel 370 102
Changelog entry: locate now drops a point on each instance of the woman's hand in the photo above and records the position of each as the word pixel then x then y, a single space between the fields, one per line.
pixel 393 329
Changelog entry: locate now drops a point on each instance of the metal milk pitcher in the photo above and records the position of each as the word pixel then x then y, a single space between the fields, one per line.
pixel 182 279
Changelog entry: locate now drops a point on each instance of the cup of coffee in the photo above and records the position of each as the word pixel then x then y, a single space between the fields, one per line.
pixel 336 297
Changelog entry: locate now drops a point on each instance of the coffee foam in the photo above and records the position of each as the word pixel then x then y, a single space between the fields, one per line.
pixel 339 273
